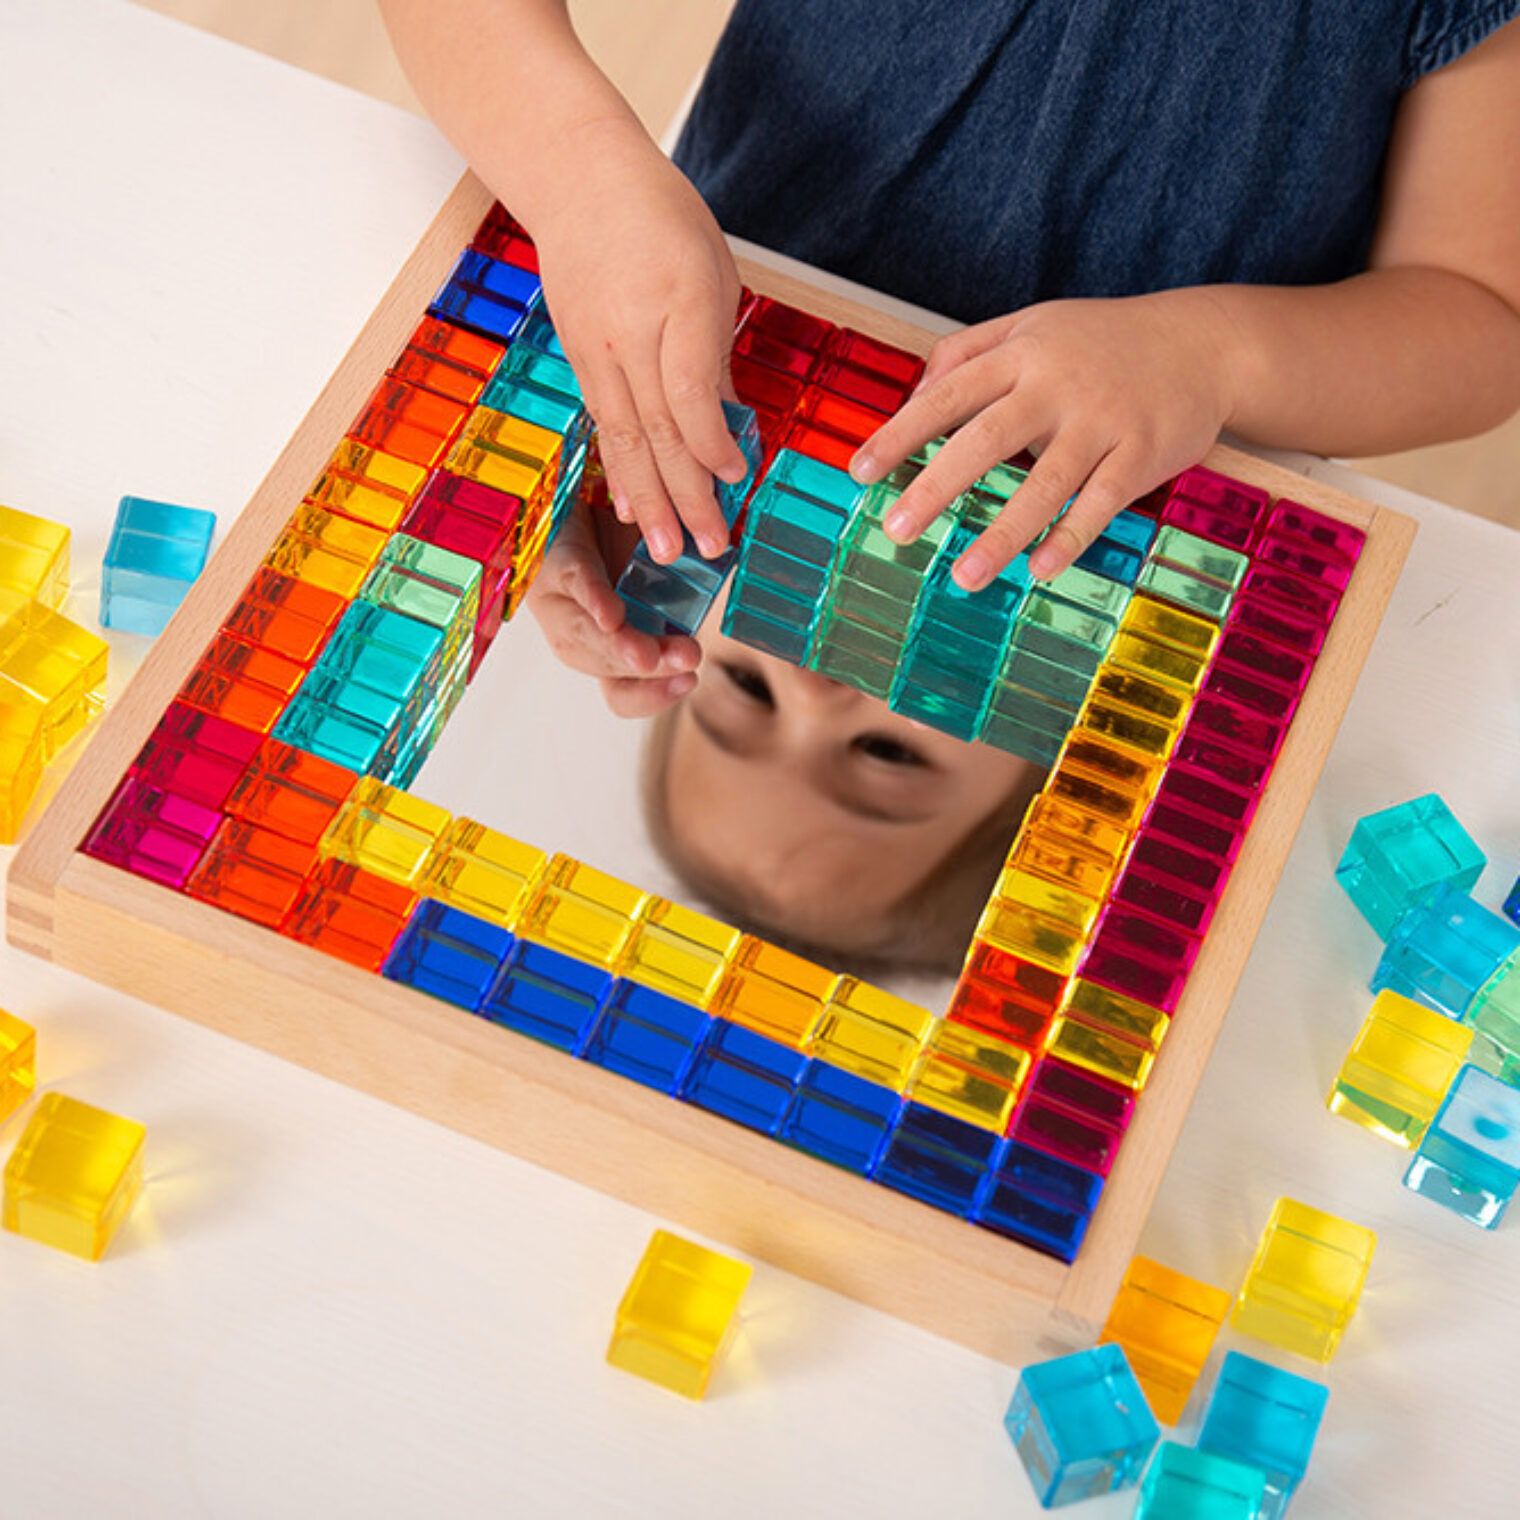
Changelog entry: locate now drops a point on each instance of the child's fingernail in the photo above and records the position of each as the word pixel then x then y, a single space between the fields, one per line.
pixel 733 473
pixel 899 525
pixel 972 570
pixel 1043 565
pixel 712 545
pixel 678 661
pixel 679 685
pixel 620 508
pixel 663 544
pixel 863 468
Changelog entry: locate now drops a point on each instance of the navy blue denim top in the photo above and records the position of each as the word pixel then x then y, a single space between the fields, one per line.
pixel 977 155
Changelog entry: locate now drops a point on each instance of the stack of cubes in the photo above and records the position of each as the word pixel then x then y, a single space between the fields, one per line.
pixel 52 671
pixel 1449 972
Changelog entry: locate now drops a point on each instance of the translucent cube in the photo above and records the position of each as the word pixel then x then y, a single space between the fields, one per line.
pixel 73 1176
pixel 1469 1160
pixel 155 553
pixel 21 760
pixel 18 1063
pixel 1399 1067
pixel 34 557
pixel 678 1315
pixel 1166 1322
pixel 48 660
pixel 1444 949
pixel 1495 1009
pixel 1081 1426
pixel 1266 1419
pixel 1304 1283
pixel 1184 1484
pixel 1400 855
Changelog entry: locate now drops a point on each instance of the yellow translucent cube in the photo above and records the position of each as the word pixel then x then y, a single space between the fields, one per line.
pixel 479 871
pixel 73 1176
pixel 1167 1323
pixel 1102 1052
pixel 18 1063
pixel 678 1315
pixel 384 831
pixel 1305 1280
pixel 1170 625
pixel 1161 662
pixel 1030 935
pixel 47 659
pixel 678 951
pixel 506 453
pixel 1398 1070
pixel 21 759
pixel 871 1033
pixel 773 992
pixel 34 557
pixel 1075 909
pixel 326 549
pixel 582 911
pixel 1065 862
pixel 970 1075
pixel 368 484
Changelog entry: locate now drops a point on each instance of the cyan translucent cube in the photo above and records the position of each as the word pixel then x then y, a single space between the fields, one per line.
pixel 744 1076
pixel 673 598
pixel 937 1159
pixel 839 1117
pixel 539 335
pixel 1444 949
pixel 1037 1199
pixel 797 525
pixel 1081 1426
pixel 1401 855
pixel 1185 1484
pixel 155 553
pixel 744 424
pixel 1266 1419
pixel 1512 902
pixel 448 954
pixel 769 618
pixel 516 397
pixel 1119 551
pixel 1469 1160
pixel 547 995
pixel 819 482
pixel 647 1036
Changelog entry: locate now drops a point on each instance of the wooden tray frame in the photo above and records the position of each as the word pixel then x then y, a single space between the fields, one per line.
pixel 757 1196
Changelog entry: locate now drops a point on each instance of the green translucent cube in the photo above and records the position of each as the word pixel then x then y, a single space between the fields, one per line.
pixel 1212 561
pixel 1173 583
pixel 1185 1484
pixel 1495 1011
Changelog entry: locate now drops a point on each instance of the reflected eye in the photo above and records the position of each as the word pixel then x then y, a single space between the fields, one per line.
pixel 750 682
pixel 888 750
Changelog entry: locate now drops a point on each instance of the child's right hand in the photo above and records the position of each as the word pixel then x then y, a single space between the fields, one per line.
pixel 583 619
pixel 643 290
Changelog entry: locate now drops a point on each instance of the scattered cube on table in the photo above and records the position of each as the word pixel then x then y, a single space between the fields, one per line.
pixel 1469 1160
pixel 1398 1070
pixel 1495 1011
pixel 21 759
pixel 1402 854
pixel 1184 1484
pixel 18 1063
pixel 155 553
pixel 73 1176
pixel 1267 1419
pixel 1445 949
pixel 1303 1285
pixel 1081 1426
pixel 1166 1322
pixel 34 557
pixel 49 661
pixel 678 1315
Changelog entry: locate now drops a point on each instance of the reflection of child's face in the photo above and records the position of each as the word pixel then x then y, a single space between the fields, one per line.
pixel 816 801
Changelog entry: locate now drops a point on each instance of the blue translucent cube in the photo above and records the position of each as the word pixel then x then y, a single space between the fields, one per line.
pixel 1266 1419
pixel 155 553
pixel 937 1159
pixel 1081 1426
pixel 547 995
pixel 451 955
pixel 1469 1160
pixel 1038 1199
pixel 646 1035
pixel 1184 1484
pixel 1444 949
pixel 744 1076
pixel 745 427
pixel 1512 902
pixel 839 1117
pixel 1399 856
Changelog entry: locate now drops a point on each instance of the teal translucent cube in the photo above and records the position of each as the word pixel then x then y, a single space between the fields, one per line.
pixel 1266 1419
pixel 744 425
pixel 155 553
pixel 1184 1484
pixel 423 581
pixel 1081 1426
pixel 1469 1159
pixel 1400 855
pixel 770 618
pixel 1185 588
pixel 1091 591
pixel 1444 949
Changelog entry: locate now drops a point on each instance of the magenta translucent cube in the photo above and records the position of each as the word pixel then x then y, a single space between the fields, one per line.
pixel 1115 965
pixel 196 755
pixel 1298 593
pixel 1291 519
pixel 1276 621
pixel 1229 721
pixel 1073 1116
pixel 1232 806
pixel 152 833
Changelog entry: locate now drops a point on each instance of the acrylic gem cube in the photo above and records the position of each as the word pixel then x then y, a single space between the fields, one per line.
pixel 73 1176
pixel 34 557
pixel 1402 854
pixel 1266 1419
pixel 1469 1160
pixel 1184 1484
pixel 1303 1286
pixel 155 554
pixel 678 1315
pixel 1444 949
pixel 1081 1426
pixel 18 1063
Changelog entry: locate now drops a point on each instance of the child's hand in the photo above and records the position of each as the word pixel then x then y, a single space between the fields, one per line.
pixel 643 291
pixel 583 619
pixel 1114 396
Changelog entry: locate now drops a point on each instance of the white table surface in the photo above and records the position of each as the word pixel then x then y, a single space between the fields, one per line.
pixel 324 1306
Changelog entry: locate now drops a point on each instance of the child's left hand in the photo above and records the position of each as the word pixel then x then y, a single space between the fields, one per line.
pixel 1114 396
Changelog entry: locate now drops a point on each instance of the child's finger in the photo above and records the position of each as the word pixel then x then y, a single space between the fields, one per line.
pixel 1112 485
pixel 693 362
pixel 633 476
pixel 958 347
pixel 636 698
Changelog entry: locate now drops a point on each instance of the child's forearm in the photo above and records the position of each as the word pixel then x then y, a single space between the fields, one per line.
pixel 1388 360
pixel 512 88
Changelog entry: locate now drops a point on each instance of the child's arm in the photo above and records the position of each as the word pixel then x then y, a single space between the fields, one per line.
pixel 639 281
pixel 1117 396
